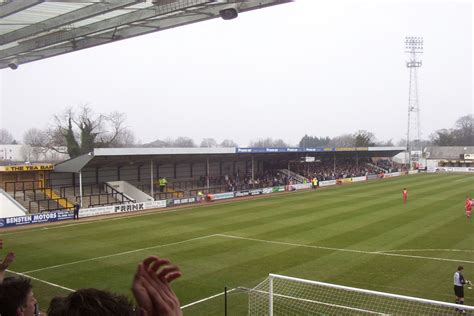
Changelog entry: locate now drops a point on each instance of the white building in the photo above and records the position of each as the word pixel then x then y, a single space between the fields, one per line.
pixel 26 153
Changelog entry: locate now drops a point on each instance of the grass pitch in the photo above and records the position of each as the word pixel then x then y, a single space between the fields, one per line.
pixel 337 234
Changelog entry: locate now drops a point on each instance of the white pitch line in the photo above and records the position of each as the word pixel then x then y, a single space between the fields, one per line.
pixel 117 254
pixel 42 281
pixel 343 249
pixel 266 294
pixel 105 219
pixel 205 299
pixel 426 250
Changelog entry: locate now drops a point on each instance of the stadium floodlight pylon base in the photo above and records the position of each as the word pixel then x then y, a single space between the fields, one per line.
pixel 283 295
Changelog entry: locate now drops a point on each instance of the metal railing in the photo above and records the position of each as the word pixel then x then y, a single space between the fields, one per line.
pixel 46 205
pixel 117 194
pixel 101 200
pixel 14 186
pixel 87 189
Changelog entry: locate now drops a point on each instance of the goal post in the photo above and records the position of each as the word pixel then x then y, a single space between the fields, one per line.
pixel 284 295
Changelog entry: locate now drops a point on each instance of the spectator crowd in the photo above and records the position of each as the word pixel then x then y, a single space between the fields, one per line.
pixel 328 169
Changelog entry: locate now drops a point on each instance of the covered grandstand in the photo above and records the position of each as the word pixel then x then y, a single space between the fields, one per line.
pixel 440 157
pixel 115 176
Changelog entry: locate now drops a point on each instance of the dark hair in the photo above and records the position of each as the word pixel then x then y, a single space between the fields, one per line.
pixel 91 302
pixel 13 294
pixel 460 268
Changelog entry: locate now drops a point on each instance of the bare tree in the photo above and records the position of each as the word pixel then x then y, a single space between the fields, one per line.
pixel 184 142
pixel 35 143
pixel 363 138
pixel 126 138
pixel 208 143
pixel 228 143
pixel 268 142
pixel 113 132
pixel 444 137
pixel 464 132
pixel 35 137
pixel 83 131
pixel 314 141
pixel 388 143
pixel 6 138
pixel 345 140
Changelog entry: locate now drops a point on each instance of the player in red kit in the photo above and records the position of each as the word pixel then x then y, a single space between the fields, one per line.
pixel 468 207
pixel 405 195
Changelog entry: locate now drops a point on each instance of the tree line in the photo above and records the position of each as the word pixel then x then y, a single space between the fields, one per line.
pixel 78 131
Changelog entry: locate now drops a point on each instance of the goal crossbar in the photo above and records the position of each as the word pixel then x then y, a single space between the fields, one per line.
pixel 384 294
pixel 285 295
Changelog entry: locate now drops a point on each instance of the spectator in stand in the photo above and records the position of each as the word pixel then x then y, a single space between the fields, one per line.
pixel 200 196
pixel 163 182
pixel 77 207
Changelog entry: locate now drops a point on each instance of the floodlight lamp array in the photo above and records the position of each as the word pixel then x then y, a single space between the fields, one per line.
pixel 414 43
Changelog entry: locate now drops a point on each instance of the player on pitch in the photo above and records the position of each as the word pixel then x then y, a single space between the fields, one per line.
pixel 468 207
pixel 405 195
pixel 459 282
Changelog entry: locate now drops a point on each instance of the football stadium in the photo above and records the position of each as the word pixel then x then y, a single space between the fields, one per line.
pixel 224 230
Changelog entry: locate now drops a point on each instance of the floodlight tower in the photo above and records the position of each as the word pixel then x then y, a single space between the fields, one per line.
pixel 414 49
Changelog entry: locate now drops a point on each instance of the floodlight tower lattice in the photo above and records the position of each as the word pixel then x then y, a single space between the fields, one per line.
pixel 414 49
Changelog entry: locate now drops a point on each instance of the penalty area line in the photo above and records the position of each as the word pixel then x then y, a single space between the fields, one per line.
pixel 42 281
pixel 117 254
pixel 345 250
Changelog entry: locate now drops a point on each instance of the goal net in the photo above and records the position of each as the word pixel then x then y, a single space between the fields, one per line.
pixel 283 295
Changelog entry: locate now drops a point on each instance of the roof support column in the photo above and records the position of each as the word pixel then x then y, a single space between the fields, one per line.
pixel 80 187
pixel 207 173
pixel 253 170
pixel 334 166
pixel 151 180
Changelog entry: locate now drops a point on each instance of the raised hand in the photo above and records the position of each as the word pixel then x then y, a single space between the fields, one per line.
pixel 151 287
pixel 5 263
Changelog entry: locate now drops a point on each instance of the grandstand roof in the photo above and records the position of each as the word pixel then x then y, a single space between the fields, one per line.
pixel 447 152
pixel 101 157
pixel 36 29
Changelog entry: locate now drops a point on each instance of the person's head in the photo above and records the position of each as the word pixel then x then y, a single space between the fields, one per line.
pixel 404 189
pixel 16 297
pixel 91 302
pixel 460 268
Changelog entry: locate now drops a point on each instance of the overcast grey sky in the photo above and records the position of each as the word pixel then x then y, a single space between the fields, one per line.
pixel 321 68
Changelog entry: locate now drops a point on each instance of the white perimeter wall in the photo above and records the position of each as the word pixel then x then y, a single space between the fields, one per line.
pixel 8 207
pixel 130 191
